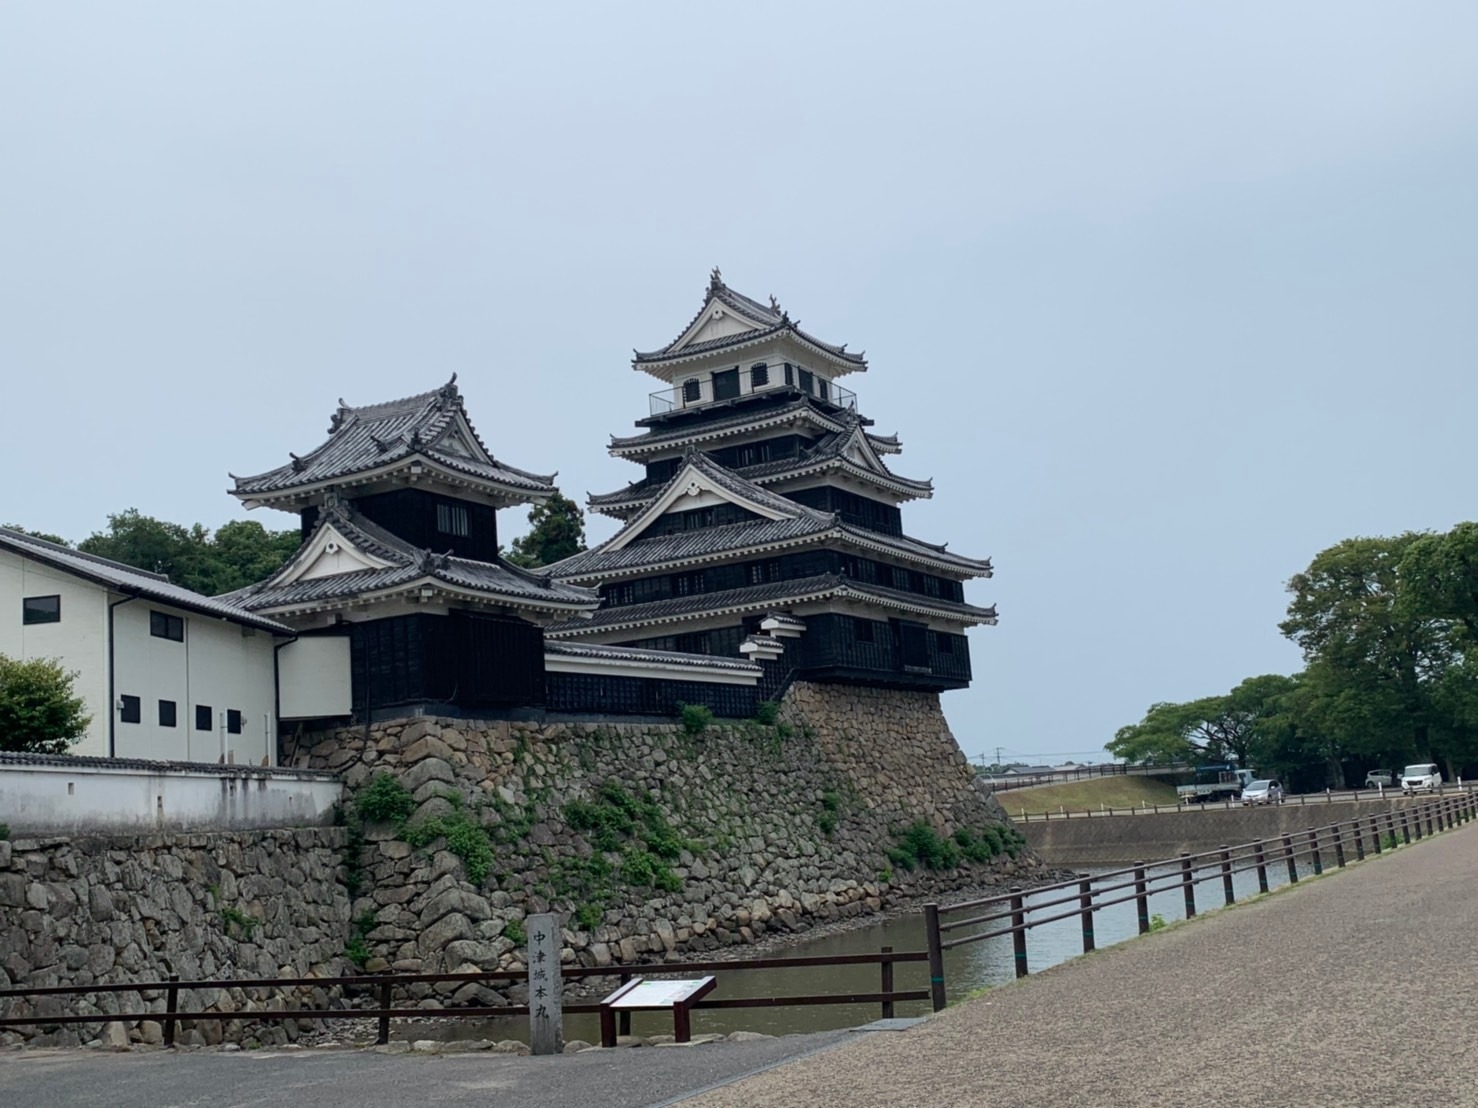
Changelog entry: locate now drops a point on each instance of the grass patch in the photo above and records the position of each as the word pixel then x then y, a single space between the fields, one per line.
pixel 697 718
pixel 357 948
pixel 384 800
pixel 1089 795
pixel 465 837
pixel 4 832
pixel 513 931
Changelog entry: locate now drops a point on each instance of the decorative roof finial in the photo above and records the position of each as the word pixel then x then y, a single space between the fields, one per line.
pixel 448 394
pixel 715 280
pixel 775 304
pixel 298 463
pixel 337 419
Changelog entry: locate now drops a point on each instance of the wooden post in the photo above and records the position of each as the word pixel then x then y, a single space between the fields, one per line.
pixel 936 956
pixel 386 988
pixel 1085 901
pixel 1018 930
pixel 1359 839
pixel 1375 833
pixel 623 1018
pixel 1288 857
pixel 1339 848
pixel 1314 851
pixel 887 982
pixel 1262 866
pixel 1227 891
pixel 1141 900
pixel 1406 829
pixel 1187 886
pixel 546 991
pixel 171 1006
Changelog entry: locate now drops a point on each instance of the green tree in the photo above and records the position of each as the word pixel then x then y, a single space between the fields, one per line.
pixel 240 553
pixel 556 532
pixel 1376 657
pixel 39 713
pixel 1209 729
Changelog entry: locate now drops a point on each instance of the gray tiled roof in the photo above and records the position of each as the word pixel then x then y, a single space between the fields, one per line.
pixel 597 652
pixel 799 522
pixel 379 435
pixel 800 403
pixel 409 564
pixel 763 598
pixel 771 320
pixel 213 769
pixel 135 582
pixel 828 448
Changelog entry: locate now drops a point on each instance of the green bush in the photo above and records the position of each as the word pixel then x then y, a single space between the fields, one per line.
pixel 465 838
pixel 831 801
pixel 982 849
pixel 827 821
pixel 639 867
pixel 901 858
pixel 885 875
pixel 384 800
pixel 1157 922
pixel 4 832
pixel 589 916
pixel 513 931
pixel 927 848
pixel 39 712
pixel 767 712
pixel 697 718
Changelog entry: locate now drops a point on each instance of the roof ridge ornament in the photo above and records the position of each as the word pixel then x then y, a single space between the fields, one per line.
pixel 336 420
pixel 775 304
pixel 716 280
pixel 449 395
pixel 298 464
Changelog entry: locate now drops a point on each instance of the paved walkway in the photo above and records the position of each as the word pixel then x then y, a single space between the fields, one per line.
pixel 1357 989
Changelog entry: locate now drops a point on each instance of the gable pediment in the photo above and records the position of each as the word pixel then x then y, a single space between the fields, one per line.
pixel 716 321
pixel 329 553
pixel 692 488
pixel 459 440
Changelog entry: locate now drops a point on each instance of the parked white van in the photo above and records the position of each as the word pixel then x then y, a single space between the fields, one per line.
pixel 1423 775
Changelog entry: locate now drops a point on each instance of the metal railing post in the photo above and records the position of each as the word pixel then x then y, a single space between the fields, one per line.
pixel 1430 805
pixel 171 1006
pixel 1406 829
pixel 1288 856
pixel 1226 875
pixel 936 956
pixel 623 1017
pixel 1262 866
pixel 1359 839
pixel 387 990
pixel 1314 852
pixel 1339 848
pixel 1141 900
pixel 887 981
pixel 1187 886
pixel 1085 901
pixel 1018 930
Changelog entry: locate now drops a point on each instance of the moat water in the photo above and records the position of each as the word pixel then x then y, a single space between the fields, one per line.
pixel 968 969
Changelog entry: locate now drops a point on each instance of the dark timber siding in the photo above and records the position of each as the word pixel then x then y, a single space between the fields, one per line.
pixel 466 659
pixel 412 515
pixel 578 692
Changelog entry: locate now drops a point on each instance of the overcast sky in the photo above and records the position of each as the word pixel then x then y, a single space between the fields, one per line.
pixel 1164 297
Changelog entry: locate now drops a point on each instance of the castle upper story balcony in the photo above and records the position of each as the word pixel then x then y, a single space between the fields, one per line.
pixel 731 386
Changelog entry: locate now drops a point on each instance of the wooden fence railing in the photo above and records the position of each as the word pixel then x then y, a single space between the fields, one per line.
pixel 384 987
pixel 1016 912
pixel 1006 782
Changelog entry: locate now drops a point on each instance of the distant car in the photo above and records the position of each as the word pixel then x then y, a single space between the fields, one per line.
pixel 1423 775
pixel 1379 779
pixel 1263 792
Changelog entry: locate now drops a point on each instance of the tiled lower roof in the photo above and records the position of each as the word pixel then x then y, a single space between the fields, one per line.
pixel 219 769
pixel 762 598
pixel 409 564
pixel 596 652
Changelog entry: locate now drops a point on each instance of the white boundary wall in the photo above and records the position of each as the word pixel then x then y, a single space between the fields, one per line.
pixel 85 795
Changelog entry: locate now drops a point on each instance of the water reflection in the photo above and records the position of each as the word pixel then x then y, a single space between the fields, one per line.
pixel 967 968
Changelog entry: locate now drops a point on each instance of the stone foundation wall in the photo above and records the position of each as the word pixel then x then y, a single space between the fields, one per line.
pixel 111 910
pixel 781 827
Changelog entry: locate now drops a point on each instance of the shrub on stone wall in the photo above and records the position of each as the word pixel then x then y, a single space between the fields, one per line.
pixel 384 800
pixel 697 718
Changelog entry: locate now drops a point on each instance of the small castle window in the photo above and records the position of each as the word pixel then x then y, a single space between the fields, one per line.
pixel 692 390
pixel 451 519
pixel 759 375
pixel 168 713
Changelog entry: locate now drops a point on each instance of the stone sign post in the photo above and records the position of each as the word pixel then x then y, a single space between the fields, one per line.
pixel 546 993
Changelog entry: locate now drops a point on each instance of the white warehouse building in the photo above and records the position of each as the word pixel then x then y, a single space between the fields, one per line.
pixel 166 674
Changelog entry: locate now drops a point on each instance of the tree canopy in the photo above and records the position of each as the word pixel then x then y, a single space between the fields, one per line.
pixel 1389 632
pixel 39 712
pixel 237 554
pixel 557 531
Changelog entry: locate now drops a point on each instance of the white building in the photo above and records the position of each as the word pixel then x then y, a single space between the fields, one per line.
pixel 166 674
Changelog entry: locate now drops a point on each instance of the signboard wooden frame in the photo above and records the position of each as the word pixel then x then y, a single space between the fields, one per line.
pixel 641 995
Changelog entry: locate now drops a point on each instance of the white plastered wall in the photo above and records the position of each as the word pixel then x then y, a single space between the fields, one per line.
pixel 79 641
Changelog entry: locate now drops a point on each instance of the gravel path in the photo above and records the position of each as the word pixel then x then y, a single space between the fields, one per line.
pixel 1355 989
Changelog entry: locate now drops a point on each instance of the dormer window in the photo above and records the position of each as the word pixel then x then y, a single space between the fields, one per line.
pixel 759 376
pixel 692 390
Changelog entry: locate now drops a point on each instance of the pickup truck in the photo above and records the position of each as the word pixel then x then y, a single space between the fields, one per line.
pixel 1214 782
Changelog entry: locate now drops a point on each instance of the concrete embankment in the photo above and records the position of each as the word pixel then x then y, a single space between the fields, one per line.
pixel 1119 840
